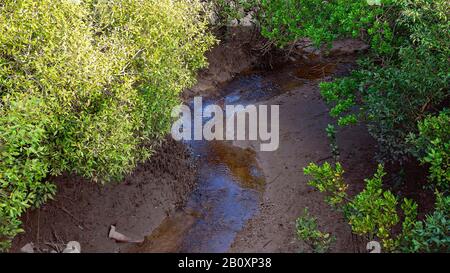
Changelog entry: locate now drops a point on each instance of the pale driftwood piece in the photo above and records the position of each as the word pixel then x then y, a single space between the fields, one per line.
pixel 28 248
pixel 119 237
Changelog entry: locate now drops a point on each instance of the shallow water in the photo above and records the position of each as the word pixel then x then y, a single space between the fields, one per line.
pixel 230 182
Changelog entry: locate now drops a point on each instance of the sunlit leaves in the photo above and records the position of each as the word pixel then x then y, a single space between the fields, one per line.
pixel 85 86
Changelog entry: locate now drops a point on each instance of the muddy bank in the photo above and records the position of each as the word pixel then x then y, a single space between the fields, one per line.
pixel 303 118
pixel 228 192
pixel 235 198
pixel 237 52
pixel 83 211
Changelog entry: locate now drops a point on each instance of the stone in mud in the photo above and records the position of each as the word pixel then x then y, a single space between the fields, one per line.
pixel 28 248
pixel 72 247
pixel 119 237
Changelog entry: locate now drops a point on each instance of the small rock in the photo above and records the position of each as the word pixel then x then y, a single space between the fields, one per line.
pixel 72 247
pixel 119 237
pixel 28 248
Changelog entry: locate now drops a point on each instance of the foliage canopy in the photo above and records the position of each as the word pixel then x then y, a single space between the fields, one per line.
pixel 87 87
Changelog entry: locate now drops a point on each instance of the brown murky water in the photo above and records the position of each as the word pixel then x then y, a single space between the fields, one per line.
pixel 228 192
pixel 316 71
pixel 240 162
pixel 230 182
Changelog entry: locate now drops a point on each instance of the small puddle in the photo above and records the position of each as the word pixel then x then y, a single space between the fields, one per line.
pixel 230 182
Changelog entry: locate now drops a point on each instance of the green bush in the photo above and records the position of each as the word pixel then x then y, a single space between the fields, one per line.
pixel 308 231
pixel 373 212
pixel 397 96
pixel 328 180
pixel 432 147
pixel 403 79
pixel 431 234
pixel 324 21
pixel 87 87
pixel 406 75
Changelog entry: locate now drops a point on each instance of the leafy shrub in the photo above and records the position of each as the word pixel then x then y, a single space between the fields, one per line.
pixel 412 81
pixel 308 231
pixel 323 21
pixel 24 162
pixel 405 77
pixel 331 134
pixel 432 234
pixel 328 180
pixel 425 24
pixel 87 87
pixel 432 147
pixel 392 99
pixel 373 212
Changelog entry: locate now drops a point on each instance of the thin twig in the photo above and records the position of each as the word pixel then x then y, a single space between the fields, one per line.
pixel 273 180
pixel 71 215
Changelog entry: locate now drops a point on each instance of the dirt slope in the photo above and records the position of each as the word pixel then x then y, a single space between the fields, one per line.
pixel 303 118
pixel 83 211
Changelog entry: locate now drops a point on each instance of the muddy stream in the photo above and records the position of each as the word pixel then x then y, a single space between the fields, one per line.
pixel 230 182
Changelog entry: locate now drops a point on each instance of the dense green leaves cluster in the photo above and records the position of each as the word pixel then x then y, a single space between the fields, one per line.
pixel 323 21
pixel 411 81
pixel 308 231
pixel 431 234
pixel 87 87
pixel 403 80
pixel 406 75
pixel 374 212
pixel 397 96
pixel 432 147
pixel 329 180
pixel 24 162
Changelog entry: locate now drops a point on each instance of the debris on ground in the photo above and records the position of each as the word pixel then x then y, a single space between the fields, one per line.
pixel 119 237
pixel 72 247
pixel 28 248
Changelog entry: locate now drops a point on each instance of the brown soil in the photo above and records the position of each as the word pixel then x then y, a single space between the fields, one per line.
pixel 226 196
pixel 303 119
pixel 83 211
pixel 236 53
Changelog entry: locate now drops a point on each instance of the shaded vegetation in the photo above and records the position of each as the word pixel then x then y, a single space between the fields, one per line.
pixel 87 87
pixel 400 91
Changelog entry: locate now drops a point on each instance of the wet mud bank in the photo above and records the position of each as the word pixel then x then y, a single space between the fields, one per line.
pixel 222 196
pixel 84 211
pixel 227 195
pixel 303 119
pixel 247 200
